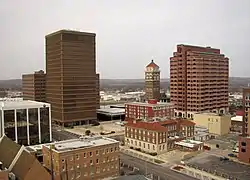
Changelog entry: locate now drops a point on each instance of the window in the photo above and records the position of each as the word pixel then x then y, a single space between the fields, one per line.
pixel 90 154
pixel 111 149
pixel 91 162
pixel 153 147
pixel 77 156
pixel 97 170
pixel 107 150
pixel 243 143
pixel 97 152
pixel 243 150
pixel 63 160
pixel 71 158
pixel 97 161
pixel 115 148
pixel 63 167
pixel 84 155
pixel 85 173
pixel 148 146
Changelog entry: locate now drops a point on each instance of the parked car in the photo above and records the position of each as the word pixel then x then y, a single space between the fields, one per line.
pixel 206 147
pixel 232 155
pixel 224 158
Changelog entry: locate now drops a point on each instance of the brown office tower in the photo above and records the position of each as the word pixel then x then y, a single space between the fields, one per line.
pixel 33 86
pixel 71 77
pixel 97 91
pixel 198 80
pixel 152 81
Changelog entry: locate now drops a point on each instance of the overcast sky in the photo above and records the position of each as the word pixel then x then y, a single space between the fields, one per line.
pixel 129 32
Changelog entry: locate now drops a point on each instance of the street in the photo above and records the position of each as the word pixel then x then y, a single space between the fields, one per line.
pixel 143 166
pixel 60 134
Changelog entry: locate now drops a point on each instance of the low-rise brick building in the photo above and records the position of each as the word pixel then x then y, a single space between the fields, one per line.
pixel 150 109
pixel 244 149
pixel 83 158
pixel 157 136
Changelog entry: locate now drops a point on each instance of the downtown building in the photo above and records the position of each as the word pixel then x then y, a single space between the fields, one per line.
pixel 198 80
pixel 157 137
pixel 152 81
pixel 26 122
pixel 88 157
pixel 149 110
pixel 34 86
pixel 244 139
pixel 71 79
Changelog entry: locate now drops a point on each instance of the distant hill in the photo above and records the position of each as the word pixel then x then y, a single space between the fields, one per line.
pixel 235 83
pixel 11 84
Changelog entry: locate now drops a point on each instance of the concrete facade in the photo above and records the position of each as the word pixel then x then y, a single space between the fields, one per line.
pixel 71 80
pixel 198 80
pixel 215 123
pixel 26 122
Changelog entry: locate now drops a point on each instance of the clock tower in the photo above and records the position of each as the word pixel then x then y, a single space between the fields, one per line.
pixel 152 81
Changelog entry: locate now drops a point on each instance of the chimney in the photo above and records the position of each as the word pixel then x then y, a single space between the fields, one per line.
pixel 52 146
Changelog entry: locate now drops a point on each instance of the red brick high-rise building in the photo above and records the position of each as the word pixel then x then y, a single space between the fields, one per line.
pixel 198 80
pixel 152 81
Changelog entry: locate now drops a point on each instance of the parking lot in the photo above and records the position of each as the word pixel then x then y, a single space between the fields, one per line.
pixel 103 127
pixel 225 168
pixel 224 142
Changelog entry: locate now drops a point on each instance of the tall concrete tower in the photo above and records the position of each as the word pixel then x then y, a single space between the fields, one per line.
pixel 152 81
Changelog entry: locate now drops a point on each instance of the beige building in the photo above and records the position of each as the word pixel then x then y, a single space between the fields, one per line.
pixel 82 159
pixel 215 123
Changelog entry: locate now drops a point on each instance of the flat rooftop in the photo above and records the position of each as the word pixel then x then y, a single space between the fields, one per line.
pixel 188 143
pixel 82 142
pixel 159 104
pixel 237 118
pixel 21 104
pixel 68 31
pixel 111 111
pixel 213 164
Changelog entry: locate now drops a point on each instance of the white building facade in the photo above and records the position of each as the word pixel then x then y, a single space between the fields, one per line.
pixel 26 122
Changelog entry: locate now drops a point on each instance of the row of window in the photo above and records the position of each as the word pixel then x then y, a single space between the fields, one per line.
pixel 91 162
pixel 91 173
pixel 145 146
pixel 90 154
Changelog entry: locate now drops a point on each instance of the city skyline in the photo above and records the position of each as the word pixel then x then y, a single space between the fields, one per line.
pixel 155 27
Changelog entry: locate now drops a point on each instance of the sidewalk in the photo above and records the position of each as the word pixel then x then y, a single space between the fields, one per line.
pixel 141 155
